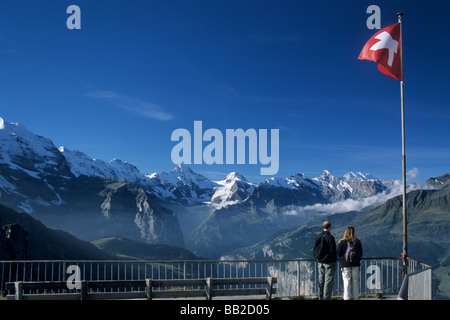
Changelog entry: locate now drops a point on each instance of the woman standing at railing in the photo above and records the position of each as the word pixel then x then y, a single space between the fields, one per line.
pixel 350 249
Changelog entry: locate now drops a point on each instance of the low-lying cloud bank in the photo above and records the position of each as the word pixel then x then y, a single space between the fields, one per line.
pixel 356 205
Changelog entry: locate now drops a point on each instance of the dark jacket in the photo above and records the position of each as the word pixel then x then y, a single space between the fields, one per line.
pixel 332 256
pixel 342 248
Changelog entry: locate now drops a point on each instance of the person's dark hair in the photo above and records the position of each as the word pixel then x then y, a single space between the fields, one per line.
pixel 326 225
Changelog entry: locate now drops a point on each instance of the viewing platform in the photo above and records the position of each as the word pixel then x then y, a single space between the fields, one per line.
pixel 380 278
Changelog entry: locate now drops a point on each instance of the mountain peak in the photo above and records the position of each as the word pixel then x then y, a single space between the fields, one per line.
pixel 235 176
pixel 325 173
pixel 22 149
pixel 359 176
pixel 182 168
pixel 185 173
pixel 325 177
pixel 182 174
pixel 231 190
pixel 82 164
pixel 13 129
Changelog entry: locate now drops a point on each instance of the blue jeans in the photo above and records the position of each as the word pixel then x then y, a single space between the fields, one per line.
pixel 326 280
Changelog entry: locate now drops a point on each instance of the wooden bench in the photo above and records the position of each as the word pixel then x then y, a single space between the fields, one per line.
pixel 150 289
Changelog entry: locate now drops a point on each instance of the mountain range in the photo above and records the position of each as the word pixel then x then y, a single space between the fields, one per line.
pixel 91 198
pixel 71 206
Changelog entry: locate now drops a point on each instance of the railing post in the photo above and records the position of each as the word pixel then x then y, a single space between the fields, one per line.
pixel 269 288
pixel 298 278
pixel 208 289
pixel 148 288
pixel 19 290
pixel 84 290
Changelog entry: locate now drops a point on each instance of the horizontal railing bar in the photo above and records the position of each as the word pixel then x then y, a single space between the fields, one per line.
pixel 178 282
pixel 102 284
pixel 33 285
pixel 181 261
pixel 95 284
pixel 244 292
pixel 240 281
pixel 47 296
pixel 178 294
pixel 117 295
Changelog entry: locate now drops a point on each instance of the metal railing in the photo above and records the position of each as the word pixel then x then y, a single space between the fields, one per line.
pixel 296 277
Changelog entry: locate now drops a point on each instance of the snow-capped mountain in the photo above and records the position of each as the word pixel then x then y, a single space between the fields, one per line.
pixel 358 175
pixel 231 190
pixel 22 150
pixel 299 190
pixel 350 186
pixel 181 185
pixel 30 166
pixel 90 197
pixel 68 190
pixel 276 204
pixel 81 164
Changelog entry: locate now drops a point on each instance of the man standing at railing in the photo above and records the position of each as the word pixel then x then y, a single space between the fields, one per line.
pixel 325 253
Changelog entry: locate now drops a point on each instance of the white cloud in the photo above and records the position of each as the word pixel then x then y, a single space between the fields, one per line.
pixel 412 174
pixel 131 104
pixel 356 205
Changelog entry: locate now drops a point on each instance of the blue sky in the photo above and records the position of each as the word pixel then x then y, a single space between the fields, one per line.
pixel 138 70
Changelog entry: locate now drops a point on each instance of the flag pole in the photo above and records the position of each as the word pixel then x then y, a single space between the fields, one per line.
pixel 405 234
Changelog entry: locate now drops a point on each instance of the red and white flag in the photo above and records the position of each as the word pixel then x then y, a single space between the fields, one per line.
pixel 385 49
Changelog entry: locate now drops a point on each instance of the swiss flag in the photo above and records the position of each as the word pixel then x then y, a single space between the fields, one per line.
pixel 385 49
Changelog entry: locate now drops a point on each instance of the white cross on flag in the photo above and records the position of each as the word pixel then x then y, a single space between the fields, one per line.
pixel 384 48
